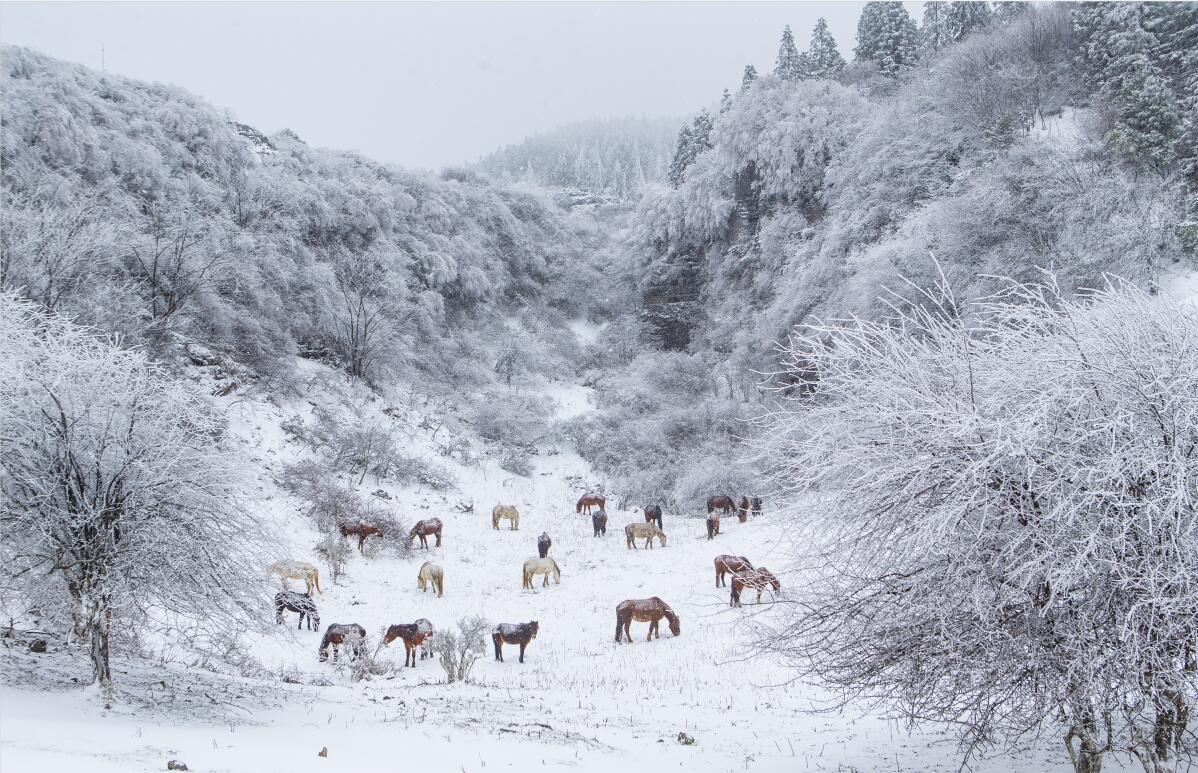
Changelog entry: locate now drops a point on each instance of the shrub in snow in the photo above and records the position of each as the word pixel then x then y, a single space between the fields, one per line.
pixel 1007 534
pixel 460 648
pixel 517 463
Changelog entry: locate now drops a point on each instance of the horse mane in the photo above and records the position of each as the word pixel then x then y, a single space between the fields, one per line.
pixel 747 562
pixel 324 640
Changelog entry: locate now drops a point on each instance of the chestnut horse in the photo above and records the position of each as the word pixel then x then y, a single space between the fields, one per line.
pixel 742 509
pixel 722 503
pixel 359 529
pixel 653 515
pixel 713 526
pixel 543 544
pixel 350 634
pixel 650 611
pixel 755 579
pixel 726 564
pixel 514 633
pixel 297 602
pixel 589 500
pixel 645 531
pixel 755 505
pixel 413 635
pixel 431 575
pixel 505 511
pixel 424 529
pixel 599 523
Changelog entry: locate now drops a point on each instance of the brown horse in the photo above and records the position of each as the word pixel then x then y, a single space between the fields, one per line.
pixel 599 523
pixel 755 579
pixel 713 526
pixel 742 509
pixel 650 611
pixel 359 529
pixel 413 635
pixel 514 633
pixel 589 500
pixel 722 503
pixel 424 529
pixel 755 506
pixel 351 634
pixel 653 515
pixel 725 565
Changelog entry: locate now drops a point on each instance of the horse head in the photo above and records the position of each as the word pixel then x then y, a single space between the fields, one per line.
pixel 675 622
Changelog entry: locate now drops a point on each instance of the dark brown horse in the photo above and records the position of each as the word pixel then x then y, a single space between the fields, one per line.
pixel 589 500
pixel 755 505
pixel 713 526
pixel 722 503
pixel 742 509
pixel 754 579
pixel 725 565
pixel 351 634
pixel 297 602
pixel 650 611
pixel 599 522
pixel 424 529
pixel 653 515
pixel 413 635
pixel 513 633
pixel 359 529
pixel 543 544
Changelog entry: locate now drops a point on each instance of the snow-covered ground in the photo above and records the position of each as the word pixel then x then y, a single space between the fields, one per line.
pixel 579 701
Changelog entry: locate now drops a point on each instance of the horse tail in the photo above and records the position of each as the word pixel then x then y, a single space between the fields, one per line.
pixel 316 580
pixel 578 507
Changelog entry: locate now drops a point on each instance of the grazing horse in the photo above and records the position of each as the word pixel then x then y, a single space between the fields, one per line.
pixel 431 575
pixel 513 633
pixel 359 529
pixel 350 634
pixel 722 503
pixel 742 509
pixel 543 544
pixel 653 515
pixel 725 565
pixel 413 637
pixel 650 611
pixel 755 506
pixel 505 511
pixel 645 531
pixel 297 602
pixel 297 570
pixel 713 526
pixel 755 579
pixel 423 529
pixel 545 566
pixel 599 523
pixel 589 500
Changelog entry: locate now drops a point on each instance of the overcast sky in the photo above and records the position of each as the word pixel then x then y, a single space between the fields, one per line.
pixel 428 84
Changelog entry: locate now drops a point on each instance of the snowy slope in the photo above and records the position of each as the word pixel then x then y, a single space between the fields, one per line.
pixel 579 701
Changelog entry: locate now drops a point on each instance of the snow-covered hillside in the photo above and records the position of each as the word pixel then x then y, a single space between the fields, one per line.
pixel 580 700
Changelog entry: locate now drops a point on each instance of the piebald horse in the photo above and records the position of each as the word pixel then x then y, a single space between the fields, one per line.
pixel 725 565
pixel 505 511
pixel 757 579
pixel 431 575
pixel 589 500
pixel 297 602
pixel 297 570
pixel 645 531
pixel 650 611
pixel 545 566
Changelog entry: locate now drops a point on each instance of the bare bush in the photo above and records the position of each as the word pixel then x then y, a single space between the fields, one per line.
pixel 459 649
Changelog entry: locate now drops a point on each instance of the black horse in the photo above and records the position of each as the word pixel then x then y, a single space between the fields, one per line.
pixel 297 602
pixel 653 515
pixel 755 505
pixel 599 521
pixel 543 544
pixel 513 633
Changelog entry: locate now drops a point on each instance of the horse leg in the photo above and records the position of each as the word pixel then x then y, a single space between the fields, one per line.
pixel 441 588
pixel 278 614
pixel 523 646
pixel 498 646
pixel 438 539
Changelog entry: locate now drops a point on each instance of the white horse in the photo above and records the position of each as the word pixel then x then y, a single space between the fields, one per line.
pixel 505 511
pixel 545 566
pixel 297 570
pixel 431 574
pixel 645 531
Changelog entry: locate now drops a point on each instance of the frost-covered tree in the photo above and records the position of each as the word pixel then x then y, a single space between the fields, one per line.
pixel 933 32
pixel 747 79
pixel 119 497
pixel 693 139
pixel 789 64
pixel 1000 501
pixel 887 36
pixel 963 17
pixel 1009 10
pixel 823 59
pixel 725 101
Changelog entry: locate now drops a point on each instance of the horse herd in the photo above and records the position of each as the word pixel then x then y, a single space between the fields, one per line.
pixel 416 636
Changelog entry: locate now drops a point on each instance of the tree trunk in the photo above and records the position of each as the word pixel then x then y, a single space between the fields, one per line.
pixel 1087 757
pixel 99 625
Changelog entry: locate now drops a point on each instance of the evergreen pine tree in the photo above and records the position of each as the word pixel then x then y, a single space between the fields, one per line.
pixel 887 36
pixel 823 60
pixel 725 101
pixel 1149 119
pixel 749 77
pixel 788 66
pixel 966 16
pixel 933 33
pixel 681 158
pixel 1008 10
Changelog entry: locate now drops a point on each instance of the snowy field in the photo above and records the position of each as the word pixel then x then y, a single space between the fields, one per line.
pixel 580 700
